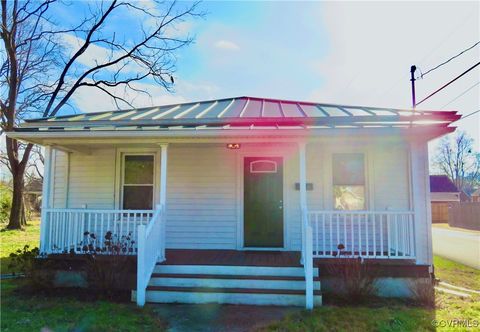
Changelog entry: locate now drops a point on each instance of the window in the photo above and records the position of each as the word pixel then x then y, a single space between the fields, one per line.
pixel 263 166
pixel 138 182
pixel 349 181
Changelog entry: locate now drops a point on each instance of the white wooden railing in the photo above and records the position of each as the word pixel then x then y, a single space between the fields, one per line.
pixel 369 234
pixel 151 249
pixel 343 234
pixel 83 230
pixel 307 258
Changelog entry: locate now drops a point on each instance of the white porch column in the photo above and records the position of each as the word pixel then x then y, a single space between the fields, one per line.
pixel 420 191
pixel 307 248
pixel 163 197
pixel 303 191
pixel 303 175
pixel 47 175
pixel 163 174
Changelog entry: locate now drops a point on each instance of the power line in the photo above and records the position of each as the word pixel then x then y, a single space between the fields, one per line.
pixel 447 84
pixel 447 61
pixel 466 116
pixel 460 95
pixel 387 92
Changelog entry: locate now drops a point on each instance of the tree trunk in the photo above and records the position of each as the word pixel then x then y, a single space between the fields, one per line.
pixel 16 213
pixel 24 211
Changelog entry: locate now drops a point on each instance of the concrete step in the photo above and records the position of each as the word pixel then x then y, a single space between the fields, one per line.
pixel 251 296
pixel 230 281
pixel 256 285
pixel 232 270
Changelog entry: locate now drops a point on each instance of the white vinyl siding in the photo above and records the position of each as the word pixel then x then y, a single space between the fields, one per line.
pixel 60 178
pixel 390 179
pixel 91 180
pixel 201 198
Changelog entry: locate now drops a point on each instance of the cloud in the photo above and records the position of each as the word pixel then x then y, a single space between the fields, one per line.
pixel 96 54
pixel 89 99
pixel 226 45
pixel 371 49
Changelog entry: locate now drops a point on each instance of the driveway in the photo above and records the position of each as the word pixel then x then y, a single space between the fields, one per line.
pixel 461 246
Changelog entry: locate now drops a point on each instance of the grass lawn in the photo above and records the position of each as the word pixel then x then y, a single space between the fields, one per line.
pixel 11 240
pixel 456 273
pixel 20 312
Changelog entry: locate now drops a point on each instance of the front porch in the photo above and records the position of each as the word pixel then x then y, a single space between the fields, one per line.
pixel 202 208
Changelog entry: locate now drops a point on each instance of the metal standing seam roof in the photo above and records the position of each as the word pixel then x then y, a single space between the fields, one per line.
pixel 242 113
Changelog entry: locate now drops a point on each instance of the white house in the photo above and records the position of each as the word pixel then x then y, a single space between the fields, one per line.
pixel 241 200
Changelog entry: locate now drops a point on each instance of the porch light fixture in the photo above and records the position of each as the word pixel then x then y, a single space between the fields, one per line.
pixel 233 146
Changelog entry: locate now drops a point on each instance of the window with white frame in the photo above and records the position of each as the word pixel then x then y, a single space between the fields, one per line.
pixel 349 181
pixel 138 182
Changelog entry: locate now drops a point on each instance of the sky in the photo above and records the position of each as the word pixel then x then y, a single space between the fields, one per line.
pixel 353 53
pixel 356 53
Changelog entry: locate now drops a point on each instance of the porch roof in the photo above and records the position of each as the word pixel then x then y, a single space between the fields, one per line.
pixel 248 113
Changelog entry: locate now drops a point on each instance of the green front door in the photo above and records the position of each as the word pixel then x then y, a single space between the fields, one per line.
pixel 263 202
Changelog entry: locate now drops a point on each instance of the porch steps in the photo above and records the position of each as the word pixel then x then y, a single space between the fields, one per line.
pixel 257 285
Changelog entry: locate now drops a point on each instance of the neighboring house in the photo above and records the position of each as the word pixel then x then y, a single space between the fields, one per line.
pixel 250 197
pixel 33 194
pixel 443 193
pixel 476 196
pixel 442 189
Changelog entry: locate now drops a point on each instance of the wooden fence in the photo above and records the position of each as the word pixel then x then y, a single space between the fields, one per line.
pixel 464 215
pixel 440 212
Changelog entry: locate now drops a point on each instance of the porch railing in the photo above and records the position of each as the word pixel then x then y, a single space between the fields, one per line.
pixel 83 230
pixel 151 249
pixel 369 234
pixel 307 258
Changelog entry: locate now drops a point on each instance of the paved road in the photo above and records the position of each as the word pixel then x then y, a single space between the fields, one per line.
pixel 459 246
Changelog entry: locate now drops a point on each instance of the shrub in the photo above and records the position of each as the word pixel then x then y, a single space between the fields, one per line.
pixel 423 292
pixel 107 264
pixel 25 261
pixel 355 278
pixel 5 203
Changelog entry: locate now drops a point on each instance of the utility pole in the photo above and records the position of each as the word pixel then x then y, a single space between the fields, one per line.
pixel 412 79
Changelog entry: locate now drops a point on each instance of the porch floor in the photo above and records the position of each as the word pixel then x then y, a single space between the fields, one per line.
pixel 232 258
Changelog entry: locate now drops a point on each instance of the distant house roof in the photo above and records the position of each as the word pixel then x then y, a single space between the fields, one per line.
pixel 248 113
pixel 442 184
pixel 34 186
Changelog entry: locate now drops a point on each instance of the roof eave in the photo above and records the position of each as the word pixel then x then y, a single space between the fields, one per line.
pixel 416 133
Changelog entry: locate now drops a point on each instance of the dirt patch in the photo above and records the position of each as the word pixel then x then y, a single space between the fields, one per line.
pixel 215 317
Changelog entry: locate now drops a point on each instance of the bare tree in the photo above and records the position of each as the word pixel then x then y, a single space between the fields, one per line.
pixel 40 71
pixel 457 159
